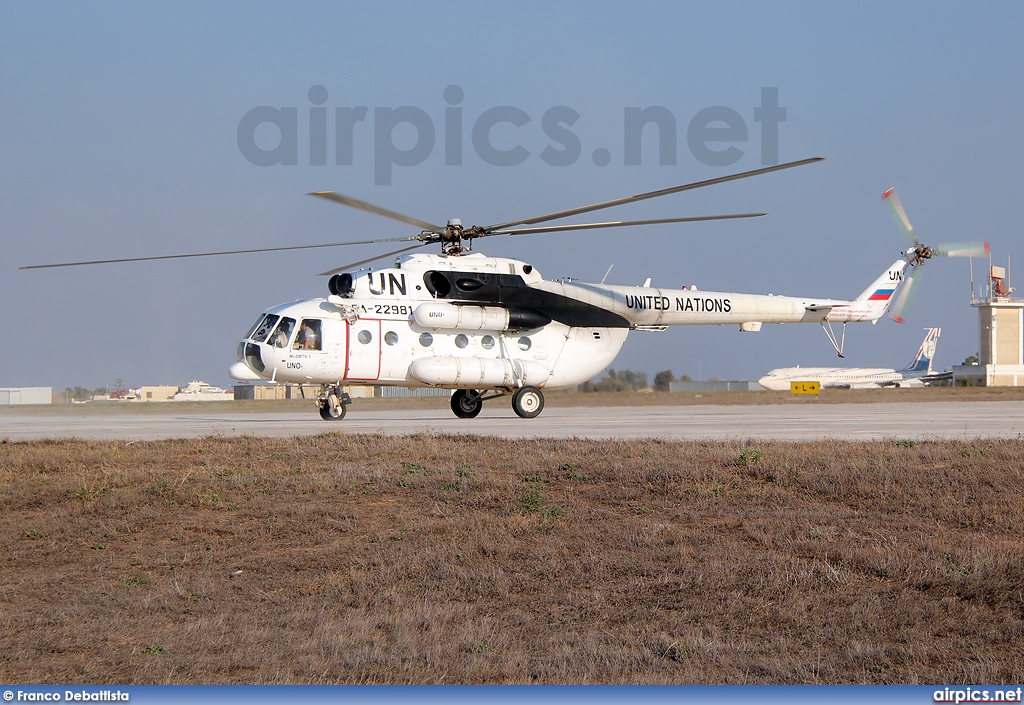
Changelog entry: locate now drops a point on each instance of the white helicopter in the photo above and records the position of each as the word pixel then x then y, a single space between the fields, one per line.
pixel 489 326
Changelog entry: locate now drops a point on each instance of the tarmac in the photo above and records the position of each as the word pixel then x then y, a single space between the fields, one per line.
pixel 861 422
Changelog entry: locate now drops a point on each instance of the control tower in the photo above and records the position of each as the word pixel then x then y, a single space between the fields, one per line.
pixel 1001 350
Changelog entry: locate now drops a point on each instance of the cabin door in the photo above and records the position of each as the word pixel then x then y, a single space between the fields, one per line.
pixel 363 349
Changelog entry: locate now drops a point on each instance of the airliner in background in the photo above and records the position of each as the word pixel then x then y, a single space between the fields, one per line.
pixel 916 374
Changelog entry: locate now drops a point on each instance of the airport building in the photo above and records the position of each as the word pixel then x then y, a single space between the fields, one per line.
pixel 262 392
pixel 297 391
pixel 715 387
pixel 156 392
pixel 25 395
pixel 1001 328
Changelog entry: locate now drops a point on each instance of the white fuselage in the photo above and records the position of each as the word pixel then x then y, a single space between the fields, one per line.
pixel 476 322
pixel 391 330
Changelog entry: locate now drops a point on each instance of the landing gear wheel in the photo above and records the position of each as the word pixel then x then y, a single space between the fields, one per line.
pixel 466 403
pixel 332 408
pixel 528 402
pixel 332 413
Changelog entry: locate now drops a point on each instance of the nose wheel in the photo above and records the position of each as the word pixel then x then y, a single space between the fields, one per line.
pixel 528 402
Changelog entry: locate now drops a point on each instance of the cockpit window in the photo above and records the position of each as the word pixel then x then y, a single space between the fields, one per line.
pixel 254 327
pixel 309 335
pixel 263 327
pixel 283 333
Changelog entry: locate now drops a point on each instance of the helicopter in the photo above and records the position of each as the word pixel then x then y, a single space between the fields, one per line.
pixel 488 327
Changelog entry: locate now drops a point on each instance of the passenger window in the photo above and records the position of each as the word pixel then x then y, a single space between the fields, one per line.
pixel 426 340
pixel 264 328
pixel 309 335
pixel 487 342
pixel 283 333
pixel 391 337
pixel 365 337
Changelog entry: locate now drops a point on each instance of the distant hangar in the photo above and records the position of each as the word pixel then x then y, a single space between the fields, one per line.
pixel 25 395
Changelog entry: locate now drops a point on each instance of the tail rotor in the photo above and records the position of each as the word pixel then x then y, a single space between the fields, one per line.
pixel 919 253
pixel 903 296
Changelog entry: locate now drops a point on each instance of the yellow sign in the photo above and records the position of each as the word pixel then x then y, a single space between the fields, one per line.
pixel 805 387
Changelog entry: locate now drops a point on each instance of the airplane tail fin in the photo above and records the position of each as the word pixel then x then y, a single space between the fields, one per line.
pixel 922 362
pixel 878 296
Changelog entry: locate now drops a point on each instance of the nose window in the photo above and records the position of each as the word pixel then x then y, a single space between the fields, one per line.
pixel 252 357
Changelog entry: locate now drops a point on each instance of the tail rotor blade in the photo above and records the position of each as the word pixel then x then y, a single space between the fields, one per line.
pixel 899 215
pixel 903 296
pixel 963 249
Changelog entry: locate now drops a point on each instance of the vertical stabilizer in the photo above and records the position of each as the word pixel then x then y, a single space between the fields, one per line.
pixel 876 297
pixel 922 362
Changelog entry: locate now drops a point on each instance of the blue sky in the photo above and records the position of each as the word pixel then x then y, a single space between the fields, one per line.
pixel 120 126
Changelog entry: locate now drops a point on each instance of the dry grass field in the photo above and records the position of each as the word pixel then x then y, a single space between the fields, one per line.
pixel 426 559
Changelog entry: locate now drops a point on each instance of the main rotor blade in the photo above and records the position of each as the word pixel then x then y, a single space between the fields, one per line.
pixel 903 296
pixel 224 252
pixel 963 249
pixel 377 210
pixel 618 224
pixel 350 265
pixel 900 215
pixel 652 194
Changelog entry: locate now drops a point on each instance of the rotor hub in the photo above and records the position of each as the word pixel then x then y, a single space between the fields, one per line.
pixel 920 253
pixel 451 238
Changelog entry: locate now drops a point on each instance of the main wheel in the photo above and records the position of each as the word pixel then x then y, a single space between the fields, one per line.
pixel 466 403
pixel 332 412
pixel 528 402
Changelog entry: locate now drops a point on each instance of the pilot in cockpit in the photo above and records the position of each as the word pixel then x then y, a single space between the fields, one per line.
pixel 307 338
pixel 284 332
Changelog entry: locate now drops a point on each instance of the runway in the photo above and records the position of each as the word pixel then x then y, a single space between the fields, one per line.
pixel 865 421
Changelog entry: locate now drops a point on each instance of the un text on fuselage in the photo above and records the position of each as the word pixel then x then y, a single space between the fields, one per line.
pixel 693 304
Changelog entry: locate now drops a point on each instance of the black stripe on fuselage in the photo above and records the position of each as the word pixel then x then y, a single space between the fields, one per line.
pixel 509 290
